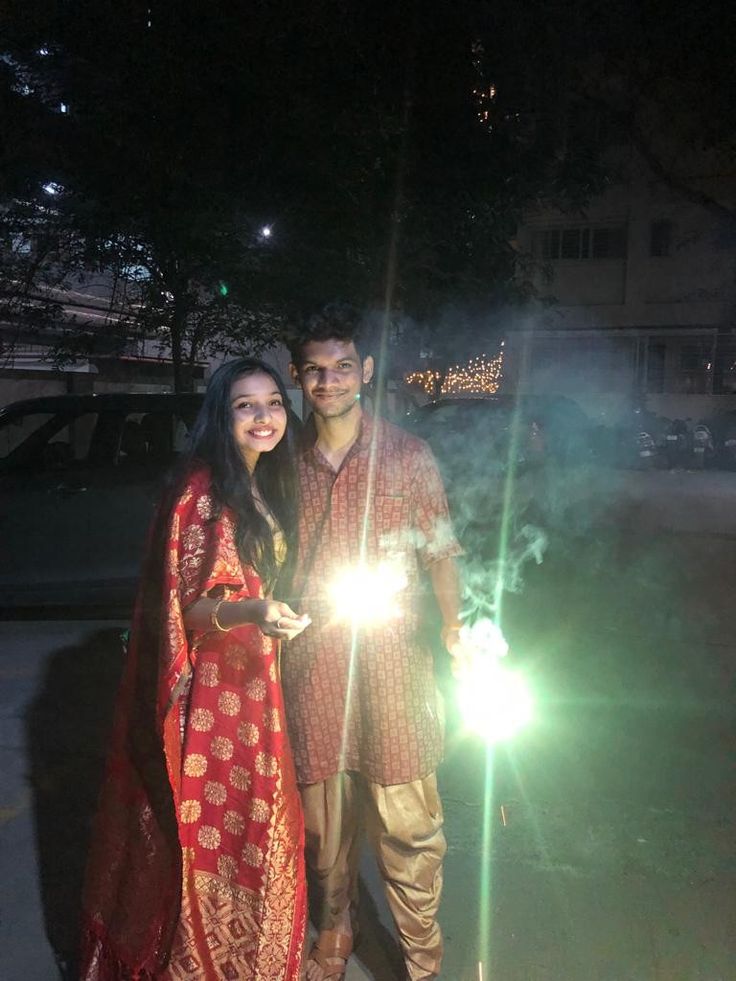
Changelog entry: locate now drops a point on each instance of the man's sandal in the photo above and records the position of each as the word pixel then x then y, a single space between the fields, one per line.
pixel 332 945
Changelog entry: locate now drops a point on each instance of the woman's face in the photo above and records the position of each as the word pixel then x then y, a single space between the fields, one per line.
pixel 258 415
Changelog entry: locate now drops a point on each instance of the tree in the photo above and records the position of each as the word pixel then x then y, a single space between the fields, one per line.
pixel 357 135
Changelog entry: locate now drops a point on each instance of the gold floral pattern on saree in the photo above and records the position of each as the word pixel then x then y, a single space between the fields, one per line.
pixel 266 764
pixel 256 689
pixel 252 855
pixel 204 507
pixel 272 719
pixel 248 733
pixel 209 837
pixel 234 822
pixel 190 811
pixel 195 765
pixel 222 748
pixel 208 674
pixel 258 810
pixel 202 719
pixel 229 703
pixel 240 777
pixel 215 792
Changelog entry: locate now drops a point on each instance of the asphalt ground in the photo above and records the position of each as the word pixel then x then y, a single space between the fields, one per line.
pixel 612 848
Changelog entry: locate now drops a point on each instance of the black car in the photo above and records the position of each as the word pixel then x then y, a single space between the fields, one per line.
pixel 524 430
pixel 506 462
pixel 79 478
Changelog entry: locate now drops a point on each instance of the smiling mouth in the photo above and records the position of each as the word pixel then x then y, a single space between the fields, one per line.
pixel 262 433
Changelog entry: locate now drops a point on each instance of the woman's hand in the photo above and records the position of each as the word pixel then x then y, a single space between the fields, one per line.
pixel 276 619
pixel 272 618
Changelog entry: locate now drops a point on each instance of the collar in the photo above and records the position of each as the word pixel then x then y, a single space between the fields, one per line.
pixel 362 442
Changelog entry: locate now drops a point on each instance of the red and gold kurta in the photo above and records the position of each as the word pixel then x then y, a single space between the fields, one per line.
pixel 196 869
pixel 367 703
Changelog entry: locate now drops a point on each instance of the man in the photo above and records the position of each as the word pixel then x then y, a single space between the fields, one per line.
pixel 364 714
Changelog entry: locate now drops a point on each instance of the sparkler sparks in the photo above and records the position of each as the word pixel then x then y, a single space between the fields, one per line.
pixel 368 595
pixel 494 700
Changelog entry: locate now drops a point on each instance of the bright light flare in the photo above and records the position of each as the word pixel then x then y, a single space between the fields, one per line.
pixel 266 231
pixel 494 700
pixel 368 595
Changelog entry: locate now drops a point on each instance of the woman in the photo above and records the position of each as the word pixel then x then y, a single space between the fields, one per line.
pixel 196 866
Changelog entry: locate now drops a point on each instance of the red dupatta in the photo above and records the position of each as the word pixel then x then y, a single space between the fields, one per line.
pixel 196 867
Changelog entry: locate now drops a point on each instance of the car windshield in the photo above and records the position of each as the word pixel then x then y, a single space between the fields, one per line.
pixel 45 440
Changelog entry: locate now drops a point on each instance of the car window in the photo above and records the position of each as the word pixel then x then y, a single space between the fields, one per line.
pixel 17 430
pixel 151 438
pixel 46 441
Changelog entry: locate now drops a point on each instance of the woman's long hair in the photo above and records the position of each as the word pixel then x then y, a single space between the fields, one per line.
pixel 213 445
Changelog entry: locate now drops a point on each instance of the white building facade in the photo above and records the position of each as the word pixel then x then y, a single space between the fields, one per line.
pixel 635 301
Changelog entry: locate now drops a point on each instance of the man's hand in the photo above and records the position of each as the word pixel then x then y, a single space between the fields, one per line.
pixel 457 647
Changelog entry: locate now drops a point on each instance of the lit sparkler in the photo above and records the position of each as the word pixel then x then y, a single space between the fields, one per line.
pixel 494 700
pixel 368 595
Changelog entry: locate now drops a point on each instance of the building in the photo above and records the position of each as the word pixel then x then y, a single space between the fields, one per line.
pixel 635 300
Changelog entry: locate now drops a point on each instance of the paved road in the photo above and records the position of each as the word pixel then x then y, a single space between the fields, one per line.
pixel 614 858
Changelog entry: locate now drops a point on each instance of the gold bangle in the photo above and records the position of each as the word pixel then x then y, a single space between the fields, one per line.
pixel 213 616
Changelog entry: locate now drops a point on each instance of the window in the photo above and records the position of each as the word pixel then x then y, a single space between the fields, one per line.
pixel 44 441
pixel 656 357
pixel 610 242
pixel 581 242
pixel 695 367
pixel 660 241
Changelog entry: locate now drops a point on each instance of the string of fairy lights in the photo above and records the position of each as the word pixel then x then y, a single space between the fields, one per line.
pixel 479 375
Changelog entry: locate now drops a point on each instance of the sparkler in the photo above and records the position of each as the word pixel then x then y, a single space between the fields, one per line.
pixel 368 595
pixel 494 700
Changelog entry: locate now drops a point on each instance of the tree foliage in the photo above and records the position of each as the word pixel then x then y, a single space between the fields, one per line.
pixel 389 149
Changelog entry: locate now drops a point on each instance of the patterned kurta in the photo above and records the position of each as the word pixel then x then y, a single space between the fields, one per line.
pixel 366 701
pixel 231 786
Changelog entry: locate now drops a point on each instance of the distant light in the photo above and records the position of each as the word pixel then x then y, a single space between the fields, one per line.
pixel 479 375
pixel 223 289
pixel 266 231
pixel 63 107
pixel 137 273
pixel 52 188
pixel 43 52
pixel 21 244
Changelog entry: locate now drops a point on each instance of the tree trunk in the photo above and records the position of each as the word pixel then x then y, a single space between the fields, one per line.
pixel 183 380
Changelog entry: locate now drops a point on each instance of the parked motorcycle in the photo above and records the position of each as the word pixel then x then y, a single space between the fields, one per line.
pixel 646 449
pixel 703 446
pixel 679 445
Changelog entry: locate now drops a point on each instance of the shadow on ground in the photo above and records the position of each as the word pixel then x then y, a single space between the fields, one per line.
pixel 67 731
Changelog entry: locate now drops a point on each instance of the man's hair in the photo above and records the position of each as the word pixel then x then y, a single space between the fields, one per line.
pixel 336 321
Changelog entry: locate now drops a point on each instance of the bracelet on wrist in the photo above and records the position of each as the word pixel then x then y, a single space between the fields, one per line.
pixel 213 616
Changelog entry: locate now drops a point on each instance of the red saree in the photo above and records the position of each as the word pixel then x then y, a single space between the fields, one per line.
pixel 196 867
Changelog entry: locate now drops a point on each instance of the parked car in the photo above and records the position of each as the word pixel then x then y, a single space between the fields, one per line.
pixel 479 441
pixel 79 478
pixel 479 444
pixel 529 429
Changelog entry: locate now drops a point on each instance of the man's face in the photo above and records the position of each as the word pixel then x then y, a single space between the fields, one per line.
pixel 331 376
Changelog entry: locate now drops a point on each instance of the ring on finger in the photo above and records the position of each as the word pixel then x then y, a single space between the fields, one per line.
pixel 278 624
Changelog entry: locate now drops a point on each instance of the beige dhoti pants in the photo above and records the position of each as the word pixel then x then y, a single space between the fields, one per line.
pixel 403 823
